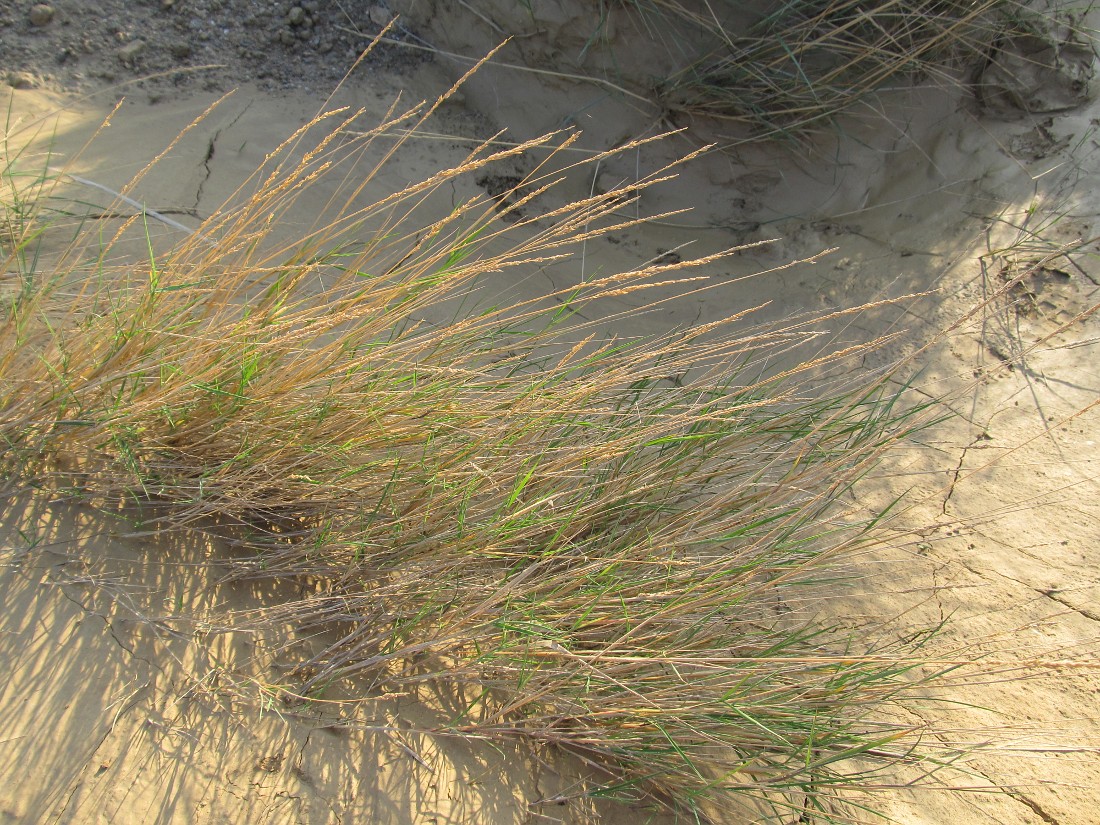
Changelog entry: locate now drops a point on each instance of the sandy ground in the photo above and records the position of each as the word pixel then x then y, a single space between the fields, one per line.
pixel 113 713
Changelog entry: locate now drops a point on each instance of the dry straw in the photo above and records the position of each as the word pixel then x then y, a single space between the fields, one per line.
pixel 609 544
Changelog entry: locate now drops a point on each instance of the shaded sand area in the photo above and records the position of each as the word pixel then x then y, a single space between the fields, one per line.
pixel 123 698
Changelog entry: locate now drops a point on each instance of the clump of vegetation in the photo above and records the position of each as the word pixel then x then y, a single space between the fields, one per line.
pixel 788 67
pixel 603 543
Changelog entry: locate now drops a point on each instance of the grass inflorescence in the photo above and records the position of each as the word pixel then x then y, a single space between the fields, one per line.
pixel 610 544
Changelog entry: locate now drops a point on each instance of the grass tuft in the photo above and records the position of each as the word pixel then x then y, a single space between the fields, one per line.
pixel 611 544
pixel 787 68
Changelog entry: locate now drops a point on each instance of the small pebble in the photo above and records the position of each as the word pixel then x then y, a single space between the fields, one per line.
pixel 297 16
pixel 21 80
pixel 180 49
pixel 379 15
pixel 41 15
pixel 131 51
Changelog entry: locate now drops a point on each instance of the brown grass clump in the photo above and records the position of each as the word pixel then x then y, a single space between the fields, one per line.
pixel 604 543
pixel 788 67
